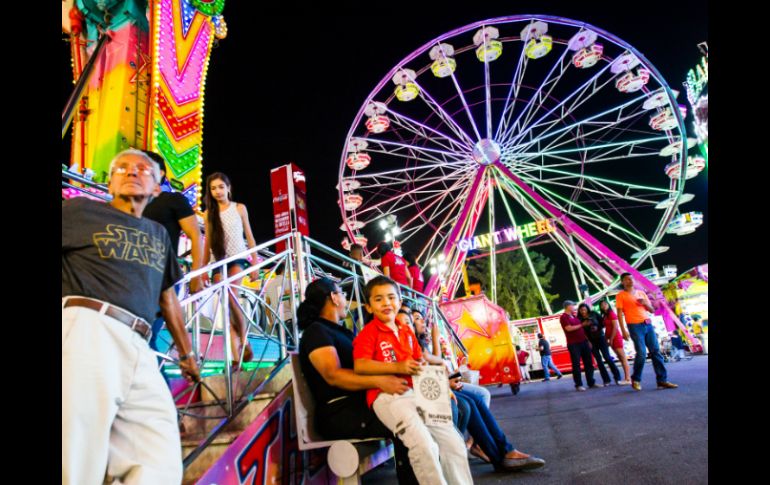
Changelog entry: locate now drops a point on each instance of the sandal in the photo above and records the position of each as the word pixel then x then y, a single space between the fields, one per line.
pixel 479 453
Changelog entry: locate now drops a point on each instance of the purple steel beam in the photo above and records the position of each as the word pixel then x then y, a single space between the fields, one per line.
pixel 617 263
pixel 472 195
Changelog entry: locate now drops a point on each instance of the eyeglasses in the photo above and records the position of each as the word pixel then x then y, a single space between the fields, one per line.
pixel 142 168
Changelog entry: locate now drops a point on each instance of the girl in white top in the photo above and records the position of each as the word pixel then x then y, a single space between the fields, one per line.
pixel 226 224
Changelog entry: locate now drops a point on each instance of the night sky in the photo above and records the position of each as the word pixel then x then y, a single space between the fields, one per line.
pixel 285 88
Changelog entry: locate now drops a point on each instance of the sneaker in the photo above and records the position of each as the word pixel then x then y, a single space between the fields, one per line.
pixel 667 385
pixel 606 384
pixel 624 382
pixel 593 386
pixel 559 377
pixel 636 385
pixel 580 388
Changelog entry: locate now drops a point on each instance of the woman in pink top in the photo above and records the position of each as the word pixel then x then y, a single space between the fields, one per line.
pixel 614 338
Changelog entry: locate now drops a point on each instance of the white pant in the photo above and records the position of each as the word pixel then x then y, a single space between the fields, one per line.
pixel 118 418
pixel 525 372
pixel 399 414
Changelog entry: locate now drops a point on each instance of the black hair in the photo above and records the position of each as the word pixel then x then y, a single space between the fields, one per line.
pixel 217 236
pixel 315 298
pixel 609 307
pixel 539 335
pixel 409 257
pixel 157 158
pixel 383 248
pixel 518 348
pixel 588 309
pixel 417 310
pixel 279 268
pixel 355 246
pixel 379 281
pixel 624 275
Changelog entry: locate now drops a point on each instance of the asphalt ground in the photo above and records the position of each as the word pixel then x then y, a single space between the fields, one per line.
pixel 609 435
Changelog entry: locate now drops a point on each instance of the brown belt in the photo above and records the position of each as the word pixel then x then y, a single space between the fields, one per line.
pixel 138 325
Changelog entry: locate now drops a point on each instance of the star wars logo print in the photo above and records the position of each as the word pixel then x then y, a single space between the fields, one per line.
pixel 131 245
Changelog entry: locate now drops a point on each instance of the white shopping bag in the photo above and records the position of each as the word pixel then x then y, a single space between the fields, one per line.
pixel 431 389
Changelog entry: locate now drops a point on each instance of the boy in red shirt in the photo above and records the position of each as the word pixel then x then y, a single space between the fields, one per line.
pixel 385 346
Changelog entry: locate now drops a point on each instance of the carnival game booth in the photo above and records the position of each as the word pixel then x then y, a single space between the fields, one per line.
pixel 483 329
pixel 688 294
pixel 525 332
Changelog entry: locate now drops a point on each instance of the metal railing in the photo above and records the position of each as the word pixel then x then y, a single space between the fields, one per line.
pixel 225 389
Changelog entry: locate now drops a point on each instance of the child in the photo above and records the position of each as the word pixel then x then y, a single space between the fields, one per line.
pixel 385 346
pixel 522 356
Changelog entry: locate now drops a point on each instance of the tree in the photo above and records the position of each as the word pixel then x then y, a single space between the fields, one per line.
pixel 516 289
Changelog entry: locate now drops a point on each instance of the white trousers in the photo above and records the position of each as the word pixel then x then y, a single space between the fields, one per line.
pixel 399 414
pixel 119 421
pixel 524 372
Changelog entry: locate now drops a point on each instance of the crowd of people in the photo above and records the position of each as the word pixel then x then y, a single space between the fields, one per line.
pixel 119 271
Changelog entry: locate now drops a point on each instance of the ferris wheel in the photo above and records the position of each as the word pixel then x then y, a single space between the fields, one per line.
pixel 536 129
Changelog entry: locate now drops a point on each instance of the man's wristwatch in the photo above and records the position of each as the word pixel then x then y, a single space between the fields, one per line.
pixel 188 355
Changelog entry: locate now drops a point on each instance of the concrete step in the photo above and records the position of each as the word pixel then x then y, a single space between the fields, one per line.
pixel 209 456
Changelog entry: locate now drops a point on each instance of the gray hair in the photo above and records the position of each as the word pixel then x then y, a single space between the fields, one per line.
pixel 134 151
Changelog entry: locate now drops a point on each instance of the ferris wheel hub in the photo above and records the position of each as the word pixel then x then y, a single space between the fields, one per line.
pixel 486 152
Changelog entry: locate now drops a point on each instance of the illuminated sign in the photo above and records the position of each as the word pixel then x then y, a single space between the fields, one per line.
pixel 697 79
pixel 508 234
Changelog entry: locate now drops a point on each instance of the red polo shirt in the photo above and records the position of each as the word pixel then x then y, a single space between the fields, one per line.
pixel 378 342
pixel 575 336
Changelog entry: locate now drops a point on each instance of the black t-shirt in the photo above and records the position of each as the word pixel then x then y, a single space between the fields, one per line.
pixel 115 257
pixel 546 347
pixel 323 333
pixel 594 331
pixel 167 209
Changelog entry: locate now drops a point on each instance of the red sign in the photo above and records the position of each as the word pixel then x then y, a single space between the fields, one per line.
pixel 289 201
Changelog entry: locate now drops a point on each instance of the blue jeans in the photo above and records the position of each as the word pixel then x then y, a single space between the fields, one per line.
pixel 461 413
pixel 577 352
pixel 644 338
pixel 479 391
pixel 548 364
pixel 601 351
pixel 484 429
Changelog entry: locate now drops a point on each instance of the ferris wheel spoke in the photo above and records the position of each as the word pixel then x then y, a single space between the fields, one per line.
pixel 449 220
pixel 436 212
pixel 487 98
pixel 377 181
pixel 508 109
pixel 616 145
pixel 536 212
pixel 425 132
pixel 538 97
pixel 398 197
pixel 583 210
pixel 465 104
pixel 395 173
pixel 439 111
pixel 591 85
pixel 610 195
pixel 593 120
pixel 621 183
pixel 430 155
